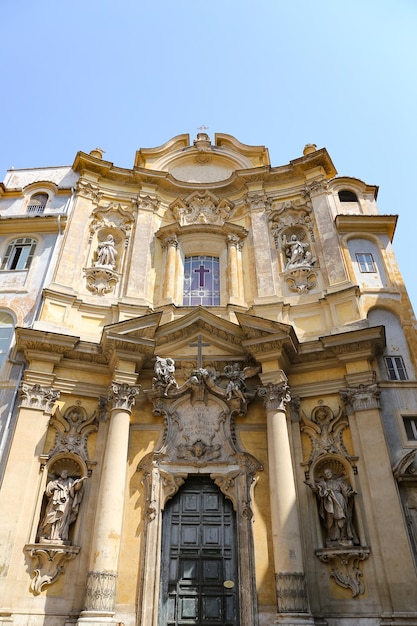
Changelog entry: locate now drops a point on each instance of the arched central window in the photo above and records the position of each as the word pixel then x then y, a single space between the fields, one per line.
pixel 201 281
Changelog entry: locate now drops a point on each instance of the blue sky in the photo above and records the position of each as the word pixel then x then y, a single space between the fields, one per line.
pixel 130 74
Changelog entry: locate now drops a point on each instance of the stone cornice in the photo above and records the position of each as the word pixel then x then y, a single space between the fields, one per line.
pixel 236 182
pixel 32 224
pixel 223 230
pixel 383 224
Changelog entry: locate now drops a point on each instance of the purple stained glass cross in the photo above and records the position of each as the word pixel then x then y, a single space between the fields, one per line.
pixel 202 270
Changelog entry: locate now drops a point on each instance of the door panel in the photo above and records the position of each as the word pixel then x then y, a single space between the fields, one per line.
pixel 199 584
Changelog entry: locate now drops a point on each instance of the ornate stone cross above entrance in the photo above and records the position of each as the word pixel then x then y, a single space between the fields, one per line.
pixel 199 344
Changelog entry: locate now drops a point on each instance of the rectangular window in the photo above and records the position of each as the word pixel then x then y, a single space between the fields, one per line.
pixel 410 425
pixel 396 368
pixel 201 281
pixel 365 262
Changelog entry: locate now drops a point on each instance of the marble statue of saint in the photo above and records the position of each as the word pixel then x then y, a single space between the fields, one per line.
pixel 336 504
pixel 296 252
pixel 64 497
pixel 106 252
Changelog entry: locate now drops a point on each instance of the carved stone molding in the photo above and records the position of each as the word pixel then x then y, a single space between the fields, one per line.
pixel 37 397
pixel 49 563
pixel 344 567
pixel 100 591
pixel 291 593
pixel 101 281
pixel 276 397
pixel 362 398
pixel 122 395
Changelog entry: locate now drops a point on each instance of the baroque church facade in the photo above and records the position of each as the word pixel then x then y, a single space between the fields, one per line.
pixel 209 395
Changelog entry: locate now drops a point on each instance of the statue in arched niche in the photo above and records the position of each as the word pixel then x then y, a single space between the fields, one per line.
pixel 106 253
pixel 335 496
pixel 297 252
pixel 64 494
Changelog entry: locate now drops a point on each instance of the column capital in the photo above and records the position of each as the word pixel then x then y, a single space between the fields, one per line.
pixel 39 398
pixel 170 241
pixel 362 398
pixel 234 240
pixel 122 395
pixel 276 395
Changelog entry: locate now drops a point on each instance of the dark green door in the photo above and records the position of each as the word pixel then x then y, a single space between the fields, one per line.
pixel 199 584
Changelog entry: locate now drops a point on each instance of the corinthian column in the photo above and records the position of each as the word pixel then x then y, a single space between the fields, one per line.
pixel 289 570
pixel 104 558
pixel 234 245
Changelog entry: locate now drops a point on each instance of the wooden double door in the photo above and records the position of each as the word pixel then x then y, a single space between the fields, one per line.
pixel 199 585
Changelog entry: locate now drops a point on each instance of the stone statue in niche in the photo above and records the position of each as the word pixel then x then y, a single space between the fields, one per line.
pixel 297 253
pixel 335 497
pixel 106 253
pixel 64 495
pixel 165 374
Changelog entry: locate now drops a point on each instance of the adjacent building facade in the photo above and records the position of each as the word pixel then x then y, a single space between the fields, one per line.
pixel 217 412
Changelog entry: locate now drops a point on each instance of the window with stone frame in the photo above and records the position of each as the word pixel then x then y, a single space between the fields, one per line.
pixel 201 281
pixel 366 262
pixel 345 195
pixel 410 426
pixel 19 254
pixel 396 368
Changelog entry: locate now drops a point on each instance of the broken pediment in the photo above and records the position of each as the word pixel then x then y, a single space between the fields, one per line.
pixel 203 161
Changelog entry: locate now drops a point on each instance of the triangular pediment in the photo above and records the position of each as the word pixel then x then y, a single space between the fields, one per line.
pixel 223 339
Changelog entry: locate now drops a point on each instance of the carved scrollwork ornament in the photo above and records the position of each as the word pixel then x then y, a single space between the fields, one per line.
pixel 49 563
pixel 201 207
pixel 72 431
pixel 100 280
pixel 325 430
pixel 344 567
